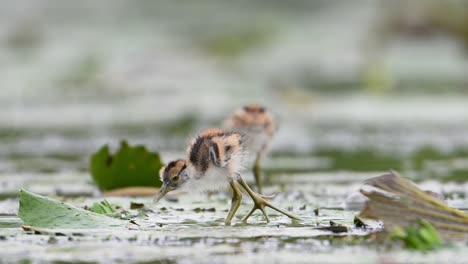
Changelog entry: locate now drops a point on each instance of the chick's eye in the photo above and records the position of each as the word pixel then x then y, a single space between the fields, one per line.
pixel 176 178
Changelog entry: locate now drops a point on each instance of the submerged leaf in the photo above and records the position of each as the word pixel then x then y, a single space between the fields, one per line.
pixel 39 211
pixel 129 166
pixel 406 205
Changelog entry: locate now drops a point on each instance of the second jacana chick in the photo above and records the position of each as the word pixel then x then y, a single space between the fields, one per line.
pixel 259 127
pixel 214 158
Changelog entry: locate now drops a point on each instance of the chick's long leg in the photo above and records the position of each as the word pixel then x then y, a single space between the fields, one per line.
pixel 258 173
pixel 260 203
pixel 235 203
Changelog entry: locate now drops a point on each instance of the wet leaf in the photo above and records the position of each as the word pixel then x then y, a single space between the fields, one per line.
pixel 39 211
pixel 129 166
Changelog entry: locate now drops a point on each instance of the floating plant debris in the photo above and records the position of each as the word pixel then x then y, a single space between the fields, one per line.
pixel 405 204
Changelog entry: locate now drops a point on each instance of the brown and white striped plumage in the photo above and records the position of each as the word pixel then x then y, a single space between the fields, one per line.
pixel 256 123
pixel 214 147
pixel 215 153
pixel 213 157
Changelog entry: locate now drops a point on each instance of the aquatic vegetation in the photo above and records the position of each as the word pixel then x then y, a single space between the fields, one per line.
pixel 129 166
pixel 39 211
pixel 406 205
pixel 422 237
pixel 102 207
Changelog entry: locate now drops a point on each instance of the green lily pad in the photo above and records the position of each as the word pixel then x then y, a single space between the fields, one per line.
pixel 40 211
pixel 129 166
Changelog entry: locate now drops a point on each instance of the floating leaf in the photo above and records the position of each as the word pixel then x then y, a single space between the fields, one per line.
pixel 39 211
pixel 129 166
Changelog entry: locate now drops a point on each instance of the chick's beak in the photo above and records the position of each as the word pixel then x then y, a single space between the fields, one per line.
pixel 162 192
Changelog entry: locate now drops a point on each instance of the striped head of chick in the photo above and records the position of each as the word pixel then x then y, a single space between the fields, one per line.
pixel 173 176
pixel 215 151
pixel 256 123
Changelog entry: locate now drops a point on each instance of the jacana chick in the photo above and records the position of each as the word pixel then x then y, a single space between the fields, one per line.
pixel 259 128
pixel 214 158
